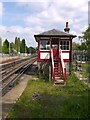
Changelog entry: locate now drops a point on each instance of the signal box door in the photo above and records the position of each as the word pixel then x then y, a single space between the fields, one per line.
pixel 55 47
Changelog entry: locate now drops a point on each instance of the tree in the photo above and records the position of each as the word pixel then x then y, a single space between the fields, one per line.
pixel 12 48
pixel 5 47
pixel 83 46
pixel 0 45
pixel 86 36
pixel 17 44
pixel 28 50
pixel 32 50
pixel 23 46
pixel 75 46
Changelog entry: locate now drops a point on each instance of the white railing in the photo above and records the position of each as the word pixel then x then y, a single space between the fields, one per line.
pixel 52 64
pixel 62 64
pixel 46 57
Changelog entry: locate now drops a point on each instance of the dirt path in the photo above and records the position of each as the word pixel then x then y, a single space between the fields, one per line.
pixel 13 95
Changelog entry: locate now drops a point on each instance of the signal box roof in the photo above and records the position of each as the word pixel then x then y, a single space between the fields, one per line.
pixel 54 33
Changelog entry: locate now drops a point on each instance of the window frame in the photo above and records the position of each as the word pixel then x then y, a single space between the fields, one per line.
pixel 45 45
pixel 66 45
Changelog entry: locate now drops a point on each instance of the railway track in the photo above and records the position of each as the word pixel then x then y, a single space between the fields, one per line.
pixel 10 78
pixel 7 68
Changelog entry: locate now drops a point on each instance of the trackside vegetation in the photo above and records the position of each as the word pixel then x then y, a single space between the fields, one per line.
pixel 43 99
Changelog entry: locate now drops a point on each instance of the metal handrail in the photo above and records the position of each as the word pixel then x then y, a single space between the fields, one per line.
pixel 62 63
pixel 52 63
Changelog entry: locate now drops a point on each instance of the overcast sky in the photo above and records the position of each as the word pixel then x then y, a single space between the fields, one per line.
pixel 24 18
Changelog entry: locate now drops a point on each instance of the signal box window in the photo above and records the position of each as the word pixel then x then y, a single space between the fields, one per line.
pixel 64 45
pixel 44 45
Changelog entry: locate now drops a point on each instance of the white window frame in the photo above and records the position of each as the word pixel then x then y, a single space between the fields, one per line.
pixel 46 45
pixel 65 45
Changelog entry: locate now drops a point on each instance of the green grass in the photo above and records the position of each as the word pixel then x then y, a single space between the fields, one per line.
pixel 70 101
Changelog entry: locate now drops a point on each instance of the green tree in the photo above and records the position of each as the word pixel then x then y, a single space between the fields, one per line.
pixel 19 45
pixel 86 37
pixel 75 46
pixel 27 49
pixel 83 46
pixel 23 46
pixel 5 47
pixel 16 44
pixel 0 45
pixel 12 48
pixel 32 50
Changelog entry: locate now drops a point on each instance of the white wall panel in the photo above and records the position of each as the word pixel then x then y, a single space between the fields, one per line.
pixel 65 55
pixel 43 55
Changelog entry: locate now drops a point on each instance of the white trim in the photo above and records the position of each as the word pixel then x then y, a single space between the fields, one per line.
pixel 65 45
pixel 66 38
pixel 44 50
pixel 44 38
pixel 66 50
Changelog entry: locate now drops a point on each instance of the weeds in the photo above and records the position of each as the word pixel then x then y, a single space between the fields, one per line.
pixel 42 99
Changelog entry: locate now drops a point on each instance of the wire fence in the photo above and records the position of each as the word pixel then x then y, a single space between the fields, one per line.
pixel 81 65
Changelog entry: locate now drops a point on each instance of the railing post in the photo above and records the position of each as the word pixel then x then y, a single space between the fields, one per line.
pixel 62 65
pixel 53 75
pixel 64 74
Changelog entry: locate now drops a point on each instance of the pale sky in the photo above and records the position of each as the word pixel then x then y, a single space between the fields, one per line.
pixel 24 18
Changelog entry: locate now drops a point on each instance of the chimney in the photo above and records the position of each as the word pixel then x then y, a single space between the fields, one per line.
pixel 67 29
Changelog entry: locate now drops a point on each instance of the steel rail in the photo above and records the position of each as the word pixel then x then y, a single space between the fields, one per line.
pixel 8 67
pixel 12 63
pixel 5 86
pixel 15 68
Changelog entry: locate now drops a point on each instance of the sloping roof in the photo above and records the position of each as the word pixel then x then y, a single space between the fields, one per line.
pixel 55 32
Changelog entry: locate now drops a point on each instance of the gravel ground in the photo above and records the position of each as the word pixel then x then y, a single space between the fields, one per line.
pixel 6 59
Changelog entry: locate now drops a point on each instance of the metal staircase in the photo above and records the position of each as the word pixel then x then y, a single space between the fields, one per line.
pixel 58 69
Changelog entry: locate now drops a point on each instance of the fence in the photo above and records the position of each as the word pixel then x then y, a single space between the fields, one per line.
pixel 81 65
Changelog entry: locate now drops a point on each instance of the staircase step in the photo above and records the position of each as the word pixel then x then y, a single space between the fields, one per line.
pixel 59 82
pixel 57 77
pixel 55 68
pixel 56 73
pixel 56 61
pixel 55 65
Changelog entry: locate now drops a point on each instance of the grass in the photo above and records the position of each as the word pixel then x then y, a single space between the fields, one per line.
pixel 42 99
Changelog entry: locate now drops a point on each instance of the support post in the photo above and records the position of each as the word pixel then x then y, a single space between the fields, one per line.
pixel 50 76
pixel 70 68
